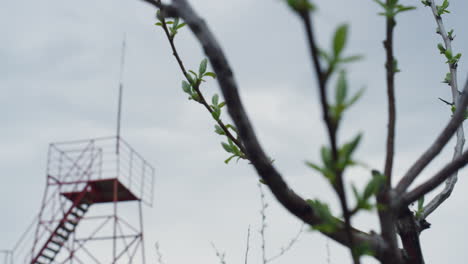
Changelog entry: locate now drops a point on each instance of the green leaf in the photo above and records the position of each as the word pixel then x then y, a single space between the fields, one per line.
pixel 195 97
pixel 401 8
pixel 374 185
pixel 159 15
pixel 231 126
pixel 421 204
pixel 194 74
pixel 214 100
pixel 356 194
pixel 327 157
pixel 229 159
pixel 202 67
pixel 441 48
pixel 219 130
pixel 448 78
pixel 351 59
pixel 216 114
pixel 190 79
pixel 210 74
pixel 450 34
pixel 175 24
pixel 186 87
pixel 236 150
pixel 355 98
pixel 314 166
pixel 158 24
pixel 346 152
pixel 339 40
pixel 328 222
pixel 448 54
pixel 301 5
pixel 226 147
pixel 221 105
pixel 395 66
pixel 181 25
pixel 325 56
pixel 341 88
pixel 442 9
pixel 426 3
pixel 382 4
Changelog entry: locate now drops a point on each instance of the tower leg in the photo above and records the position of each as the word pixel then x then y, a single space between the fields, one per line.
pixel 142 240
pixel 114 239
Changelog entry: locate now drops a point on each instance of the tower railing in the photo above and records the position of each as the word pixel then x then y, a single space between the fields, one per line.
pixel 111 158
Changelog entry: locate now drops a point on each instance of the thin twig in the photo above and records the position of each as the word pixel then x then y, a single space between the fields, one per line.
pixel 322 78
pixel 247 247
pixel 450 183
pixel 158 253
pixel 290 244
pixel 322 82
pixel 196 87
pixel 283 250
pixel 220 255
pixel 263 222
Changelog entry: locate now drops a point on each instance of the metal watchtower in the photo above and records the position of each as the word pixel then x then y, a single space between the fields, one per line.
pixel 88 182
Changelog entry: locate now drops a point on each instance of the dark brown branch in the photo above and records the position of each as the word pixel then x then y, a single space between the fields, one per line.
pixel 435 180
pixel 387 218
pixel 390 67
pixel 295 204
pixel 331 125
pixel 322 82
pixel 409 233
pixel 438 145
pixel 196 87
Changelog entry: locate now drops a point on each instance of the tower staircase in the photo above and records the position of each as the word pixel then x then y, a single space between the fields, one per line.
pixel 65 227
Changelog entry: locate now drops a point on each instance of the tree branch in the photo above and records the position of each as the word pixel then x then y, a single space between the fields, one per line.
pixel 450 183
pixel 387 217
pixel 435 180
pixel 390 68
pixel 196 87
pixel 438 145
pixel 408 231
pixel 331 125
pixel 295 204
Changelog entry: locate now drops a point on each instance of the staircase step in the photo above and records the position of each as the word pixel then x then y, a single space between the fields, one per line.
pixel 82 207
pixel 52 250
pixel 47 257
pixel 76 214
pixel 67 230
pixel 62 236
pixel 58 243
pixel 72 222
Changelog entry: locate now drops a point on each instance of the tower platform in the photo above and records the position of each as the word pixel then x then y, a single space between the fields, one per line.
pixel 104 191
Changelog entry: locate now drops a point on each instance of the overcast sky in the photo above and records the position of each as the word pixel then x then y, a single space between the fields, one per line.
pixel 59 71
